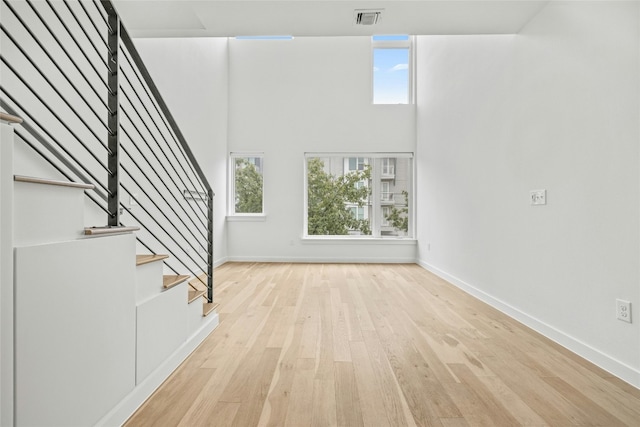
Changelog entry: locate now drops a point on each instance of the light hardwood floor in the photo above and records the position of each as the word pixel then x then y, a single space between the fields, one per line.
pixel 376 345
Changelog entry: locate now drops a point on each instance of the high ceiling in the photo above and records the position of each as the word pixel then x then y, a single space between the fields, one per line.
pixel 218 18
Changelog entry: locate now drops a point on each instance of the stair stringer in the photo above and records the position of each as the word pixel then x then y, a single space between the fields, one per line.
pixel 6 274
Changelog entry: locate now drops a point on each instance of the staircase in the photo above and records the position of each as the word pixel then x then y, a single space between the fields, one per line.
pixel 166 306
pixel 97 328
pixel 93 318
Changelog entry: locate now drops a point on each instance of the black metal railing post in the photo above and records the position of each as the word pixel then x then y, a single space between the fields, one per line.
pixel 210 195
pixel 113 122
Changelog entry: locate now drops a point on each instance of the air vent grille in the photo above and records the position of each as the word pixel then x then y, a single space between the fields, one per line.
pixel 367 16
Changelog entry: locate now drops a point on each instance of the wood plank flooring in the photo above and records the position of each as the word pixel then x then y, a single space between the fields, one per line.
pixel 376 345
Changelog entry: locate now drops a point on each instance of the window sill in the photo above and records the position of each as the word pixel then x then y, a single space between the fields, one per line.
pixel 337 240
pixel 246 218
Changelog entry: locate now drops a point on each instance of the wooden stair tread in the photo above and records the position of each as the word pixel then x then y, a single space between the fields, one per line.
pixel 145 259
pixel 171 280
pixel 99 231
pixel 208 307
pixel 46 181
pixel 199 283
pixel 194 295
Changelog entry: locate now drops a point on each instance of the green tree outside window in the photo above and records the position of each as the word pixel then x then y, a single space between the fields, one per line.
pixel 248 187
pixel 328 199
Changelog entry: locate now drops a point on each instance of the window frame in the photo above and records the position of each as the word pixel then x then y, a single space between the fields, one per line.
pixel 231 211
pixel 395 44
pixel 375 219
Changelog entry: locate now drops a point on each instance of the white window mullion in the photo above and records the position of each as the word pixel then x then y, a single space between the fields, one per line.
pixel 376 208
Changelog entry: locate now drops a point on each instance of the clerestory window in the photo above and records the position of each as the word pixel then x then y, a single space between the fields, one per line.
pixel 392 69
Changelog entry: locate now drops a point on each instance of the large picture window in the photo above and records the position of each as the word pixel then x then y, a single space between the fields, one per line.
pixel 246 192
pixel 358 194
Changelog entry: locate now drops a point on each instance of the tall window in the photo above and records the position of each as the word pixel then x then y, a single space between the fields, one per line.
pixel 358 195
pixel 246 192
pixel 388 166
pixel 392 67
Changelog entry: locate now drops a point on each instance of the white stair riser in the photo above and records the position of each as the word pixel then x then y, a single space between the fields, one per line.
pixel 195 317
pixel 148 281
pixel 161 329
pixel 47 213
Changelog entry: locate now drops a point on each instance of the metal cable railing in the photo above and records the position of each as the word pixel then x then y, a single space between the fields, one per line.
pixel 152 94
pixel 93 113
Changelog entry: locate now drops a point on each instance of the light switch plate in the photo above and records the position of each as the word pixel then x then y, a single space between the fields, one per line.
pixel 538 197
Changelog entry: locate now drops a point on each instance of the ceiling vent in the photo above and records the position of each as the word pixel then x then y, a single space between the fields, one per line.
pixel 367 16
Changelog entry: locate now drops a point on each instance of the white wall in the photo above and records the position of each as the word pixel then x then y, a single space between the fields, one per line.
pixel 288 97
pixel 191 74
pixel 555 107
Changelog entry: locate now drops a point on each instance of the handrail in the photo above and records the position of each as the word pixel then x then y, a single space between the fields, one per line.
pixel 34 180
pixel 102 231
pixel 10 118
pixel 74 124
pixel 126 40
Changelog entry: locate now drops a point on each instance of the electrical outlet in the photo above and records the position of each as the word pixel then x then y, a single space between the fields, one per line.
pixel 538 197
pixel 623 310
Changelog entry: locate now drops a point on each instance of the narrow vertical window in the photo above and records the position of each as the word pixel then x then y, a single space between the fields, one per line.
pixel 392 67
pixel 247 184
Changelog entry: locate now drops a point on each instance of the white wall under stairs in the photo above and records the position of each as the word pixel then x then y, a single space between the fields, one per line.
pixel 75 330
pixel 94 334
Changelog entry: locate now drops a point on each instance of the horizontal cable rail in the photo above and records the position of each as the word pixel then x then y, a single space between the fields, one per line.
pixel 93 115
pixel 166 114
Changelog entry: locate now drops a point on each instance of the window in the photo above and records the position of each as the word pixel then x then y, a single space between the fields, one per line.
pixel 386 211
pixel 386 196
pixel 264 37
pixel 358 212
pixel 392 70
pixel 388 167
pixel 356 163
pixel 340 195
pixel 246 192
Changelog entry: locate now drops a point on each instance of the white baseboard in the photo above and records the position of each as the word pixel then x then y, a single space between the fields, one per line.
pixel 328 260
pixel 127 406
pixel 615 367
pixel 219 262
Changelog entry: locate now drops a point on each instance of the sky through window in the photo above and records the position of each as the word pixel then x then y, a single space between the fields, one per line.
pixel 391 69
